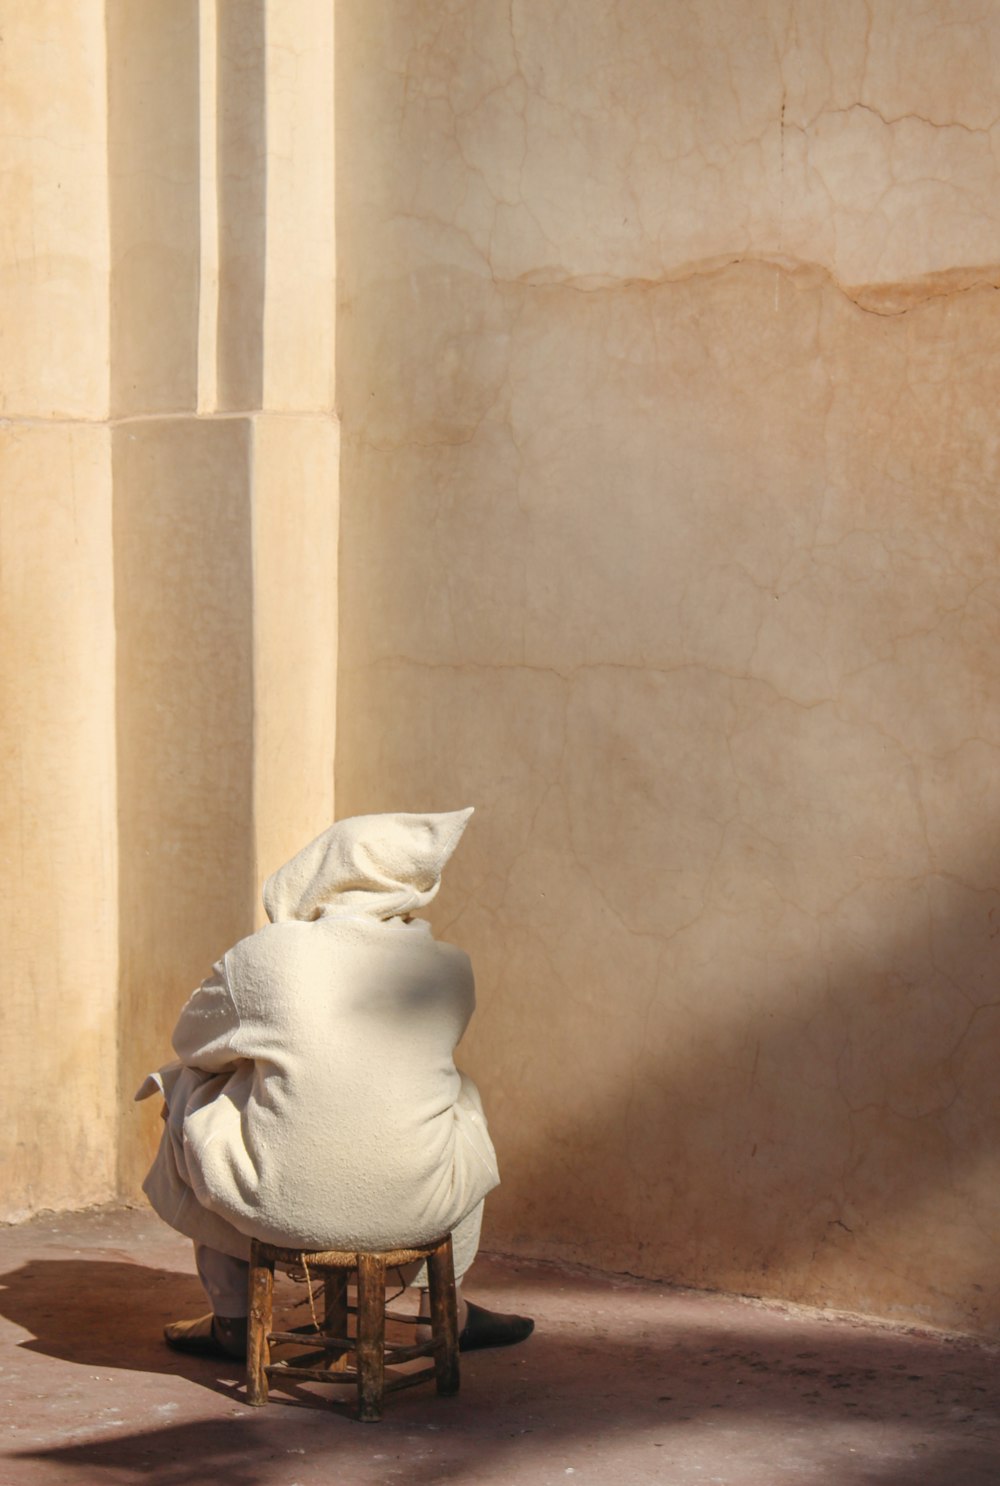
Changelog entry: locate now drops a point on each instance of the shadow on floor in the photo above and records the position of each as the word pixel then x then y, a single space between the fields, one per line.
pixel 645 1375
pixel 199 1453
pixel 106 1314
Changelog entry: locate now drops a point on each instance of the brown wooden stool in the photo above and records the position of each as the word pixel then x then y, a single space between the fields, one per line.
pixel 371 1352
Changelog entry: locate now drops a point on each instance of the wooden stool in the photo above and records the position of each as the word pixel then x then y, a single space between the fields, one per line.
pixel 372 1353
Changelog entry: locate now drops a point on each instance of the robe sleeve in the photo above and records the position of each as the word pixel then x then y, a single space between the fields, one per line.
pixel 207 1033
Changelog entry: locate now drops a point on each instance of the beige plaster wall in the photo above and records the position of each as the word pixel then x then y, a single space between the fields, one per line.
pixel 669 367
pixel 168 503
pixel 58 868
pixel 153 166
pixel 225 608
pixel 225 495
pixel 183 616
pixel 54 207
pixel 668 372
pixel 295 521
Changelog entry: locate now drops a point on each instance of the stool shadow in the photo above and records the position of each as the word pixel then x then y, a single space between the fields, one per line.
pixel 109 1314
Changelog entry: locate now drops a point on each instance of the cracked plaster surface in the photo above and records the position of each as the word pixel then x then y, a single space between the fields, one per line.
pixel 601 143
pixel 670 541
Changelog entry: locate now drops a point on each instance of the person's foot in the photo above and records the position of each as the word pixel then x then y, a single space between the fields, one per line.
pixel 209 1336
pixel 485 1328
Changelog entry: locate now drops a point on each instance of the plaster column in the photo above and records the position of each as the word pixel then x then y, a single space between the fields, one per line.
pixel 58 870
pixel 225 486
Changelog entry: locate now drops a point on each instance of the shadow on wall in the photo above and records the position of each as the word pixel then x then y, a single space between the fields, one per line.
pixel 184 732
pixel 634 1383
pixel 736 936
pixel 615 455
pixel 834 1141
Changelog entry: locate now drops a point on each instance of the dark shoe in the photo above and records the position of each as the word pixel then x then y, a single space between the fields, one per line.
pixel 485 1328
pixel 209 1336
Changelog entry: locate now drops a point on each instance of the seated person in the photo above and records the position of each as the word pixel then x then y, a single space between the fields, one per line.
pixel 315 1101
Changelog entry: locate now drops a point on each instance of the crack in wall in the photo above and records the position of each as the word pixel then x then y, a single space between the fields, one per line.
pixel 886 299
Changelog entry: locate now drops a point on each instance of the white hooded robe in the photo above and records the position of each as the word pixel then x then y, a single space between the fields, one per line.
pixel 315 1102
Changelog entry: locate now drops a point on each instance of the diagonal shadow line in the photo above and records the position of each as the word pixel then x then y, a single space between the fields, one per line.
pixel 866 1188
pixel 569 1389
pixel 189 1453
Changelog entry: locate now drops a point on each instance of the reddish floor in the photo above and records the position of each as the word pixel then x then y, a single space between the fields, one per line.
pixel 622 1383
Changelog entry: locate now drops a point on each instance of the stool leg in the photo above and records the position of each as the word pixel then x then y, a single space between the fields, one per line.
pixel 335 1313
pixel 371 1337
pixel 444 1317
pixel 261 1283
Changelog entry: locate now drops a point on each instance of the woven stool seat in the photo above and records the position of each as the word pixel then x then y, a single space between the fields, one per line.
pixel 372 1354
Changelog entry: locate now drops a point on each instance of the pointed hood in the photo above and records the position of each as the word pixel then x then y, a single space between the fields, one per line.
pixel 383 865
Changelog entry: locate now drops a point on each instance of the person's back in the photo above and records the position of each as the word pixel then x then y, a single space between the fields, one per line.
pixel 315 1102
pixel 351 1124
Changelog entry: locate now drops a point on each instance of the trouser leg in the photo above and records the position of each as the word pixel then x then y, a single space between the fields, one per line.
pixel 465 1246
pixel 224 1280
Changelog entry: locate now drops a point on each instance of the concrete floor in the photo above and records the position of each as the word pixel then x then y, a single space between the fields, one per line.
pixel 623 1382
